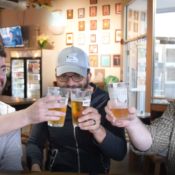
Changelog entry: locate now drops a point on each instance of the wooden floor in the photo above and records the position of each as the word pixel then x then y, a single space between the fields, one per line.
pixel 132 164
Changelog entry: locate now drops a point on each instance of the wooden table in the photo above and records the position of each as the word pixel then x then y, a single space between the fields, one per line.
pixel 49 173
pixel 158 107
pixel 16 102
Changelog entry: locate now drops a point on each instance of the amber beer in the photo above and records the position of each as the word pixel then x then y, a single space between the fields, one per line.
pixel 120 113
pixel 77 109
pixel 60 122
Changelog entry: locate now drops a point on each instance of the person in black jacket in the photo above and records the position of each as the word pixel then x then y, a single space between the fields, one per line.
pixel 87 148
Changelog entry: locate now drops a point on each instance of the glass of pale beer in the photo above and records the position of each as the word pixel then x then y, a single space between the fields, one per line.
pixel 80 100
pixel 118 93
pixel 64 93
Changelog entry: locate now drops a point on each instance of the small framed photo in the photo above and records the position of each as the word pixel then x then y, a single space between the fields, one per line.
pixel 69 39
pixel 93 11
pixel 93 25
pixel 136 15
pixel 81 39
pixel 106 24
pixel 105 60
pixel 105 38
pixel 93 38
pixel 81 13
pixel 81 25
pixel 106 10
pixel 93 48
pixel 93 59
pixel 135 27
pixel 143 14
pixel 93 1
pixel 70 14
pixel 116 60
pixel 118 8
pixel 130 13
pixel 117 36
pixel 100 73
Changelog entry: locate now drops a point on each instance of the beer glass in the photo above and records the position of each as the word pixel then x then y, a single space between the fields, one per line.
pixel 80 100
pixel 64 93
pixel 118 93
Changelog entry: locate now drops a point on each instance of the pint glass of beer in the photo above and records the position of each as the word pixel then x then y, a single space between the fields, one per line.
pixel 64 93
pixel 80 100
pixel 118 93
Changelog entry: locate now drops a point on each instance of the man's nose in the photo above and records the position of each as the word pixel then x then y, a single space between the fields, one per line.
pixel 70 82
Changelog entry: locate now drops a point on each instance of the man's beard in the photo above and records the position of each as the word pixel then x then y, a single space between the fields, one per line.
pixel 2 86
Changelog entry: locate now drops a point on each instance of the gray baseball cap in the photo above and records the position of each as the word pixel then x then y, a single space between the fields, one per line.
pixel 72 59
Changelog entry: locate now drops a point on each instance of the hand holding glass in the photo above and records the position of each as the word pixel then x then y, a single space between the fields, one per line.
pixel 64 93
pixel 80 100
pixel 118 93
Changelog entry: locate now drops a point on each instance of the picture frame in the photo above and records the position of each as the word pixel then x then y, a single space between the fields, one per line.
pixel 93 60
pixel 100 72
pixel 70 14
pixel 81 39
pixel 105 38
pixel 143 16
pixel 118 8
pixel 93 48
pixel 117 35
pixel 81 12
pixel 130 13
pixel 93 11
pixel 93 25
pixel 93 1
pixel 92 38
pixel 116 60
pixel 105 10
pixel 81 25
pixel 69 38
pixel 105 60
pixel 106 24
pixel 136 15
pixel 135 27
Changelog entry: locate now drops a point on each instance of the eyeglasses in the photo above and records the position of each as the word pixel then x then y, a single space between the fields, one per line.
pixel 5 70
pixel 75 78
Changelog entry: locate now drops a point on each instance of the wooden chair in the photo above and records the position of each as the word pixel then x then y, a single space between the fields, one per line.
pixel 157 160
pixel 25 136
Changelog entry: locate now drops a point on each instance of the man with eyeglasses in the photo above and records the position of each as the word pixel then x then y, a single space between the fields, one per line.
pixel 92 145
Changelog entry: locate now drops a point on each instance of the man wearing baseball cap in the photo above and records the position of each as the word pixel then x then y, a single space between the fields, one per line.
pixel 90 146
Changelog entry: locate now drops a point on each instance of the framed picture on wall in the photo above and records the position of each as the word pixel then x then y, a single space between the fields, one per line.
pixel 93 11
pixel 81 25
pixel 106 24
pixel 136 15
pixel 93 48
pixel 81 13
pixel 130 13
pixel 136 27
pixel 100 73
pixel 93 38
pixel 118 8
pixel 105 38
pixel 93 25
pixel 117 35
pixel 69 39
pixel 81 39
pixel 116 60
pixel 93 59
pixel 106 10
pixel 93 1
pixel 105 60
pixel 70 14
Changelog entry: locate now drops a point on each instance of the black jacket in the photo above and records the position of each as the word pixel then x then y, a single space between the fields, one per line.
pixel 64 148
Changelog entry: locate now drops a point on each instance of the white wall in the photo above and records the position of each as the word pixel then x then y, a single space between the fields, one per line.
pixel 43 18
